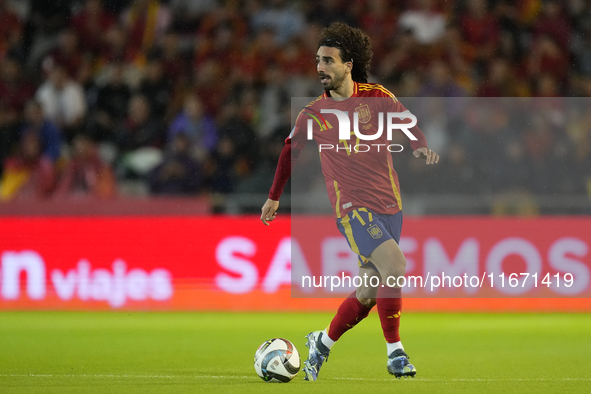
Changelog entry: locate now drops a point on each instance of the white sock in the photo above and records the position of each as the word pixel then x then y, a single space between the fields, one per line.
pixel 325 339
pixel 393 346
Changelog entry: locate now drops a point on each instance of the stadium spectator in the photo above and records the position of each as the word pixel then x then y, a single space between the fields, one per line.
pixel 29 174
pixel 226 53
pixel 85 175
pixel 67 53
pixel 409 85
pixel 274 99
pixel 228 15
pixel 426 23
pixel 111 104
pixel 399 58
pixel 459 175
pixel 116 48
pixel 258 180
pixel 512 184
pixel 63 101
pixel 485 132
pixel 140 128
pixel 546 86
pixel 156 87
pixel 480 31
pixel 220 168
pixel 198 128
pixel 9 131
pixel 327 12
pixel 91 23
pixel 440 82
pixel 208 82
pixel 15 90
pixel 10 28
pixel 174 63
pixel 235 122
pixel 145 22
pixel 380 23
pixel 237 151
pixel 553 22
pixel 46 19
pixel 85 77
pixel 514 172
pixel 511 31
pixel 49 136
pixel 187 13
pixel 380 20
pixel 222 45
pixel 582 53
pixel 500 81
pixel 179 173
pixel 195 9
pixel 458 55
pixel 282 19
pixel 261 53
pixel 547 57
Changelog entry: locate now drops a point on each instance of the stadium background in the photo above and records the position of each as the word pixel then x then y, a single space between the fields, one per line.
pixel 139 140
pixel 134 186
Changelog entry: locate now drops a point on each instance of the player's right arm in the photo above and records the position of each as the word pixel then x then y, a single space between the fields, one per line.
pixel 294 144
pixel 269 211
pixel 282 174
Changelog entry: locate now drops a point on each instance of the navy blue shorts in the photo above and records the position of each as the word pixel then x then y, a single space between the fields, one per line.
pixel 365 230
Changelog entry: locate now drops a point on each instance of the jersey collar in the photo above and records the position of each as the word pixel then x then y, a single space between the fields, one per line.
pixel 355 92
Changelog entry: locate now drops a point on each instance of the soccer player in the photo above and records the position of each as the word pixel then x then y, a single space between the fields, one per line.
pixel 362 187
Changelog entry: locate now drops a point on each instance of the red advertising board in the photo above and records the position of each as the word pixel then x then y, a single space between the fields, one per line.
pixel 236 263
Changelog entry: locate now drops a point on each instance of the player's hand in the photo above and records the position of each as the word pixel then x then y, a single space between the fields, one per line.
pixel 269 211
pixel 432 157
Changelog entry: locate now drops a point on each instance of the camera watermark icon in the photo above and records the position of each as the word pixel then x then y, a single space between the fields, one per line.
pixel 345 124
pixel 362 115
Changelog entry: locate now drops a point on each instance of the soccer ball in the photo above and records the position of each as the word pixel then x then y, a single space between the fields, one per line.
pixel 277 360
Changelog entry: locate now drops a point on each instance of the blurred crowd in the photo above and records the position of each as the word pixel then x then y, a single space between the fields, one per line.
pixel 181 97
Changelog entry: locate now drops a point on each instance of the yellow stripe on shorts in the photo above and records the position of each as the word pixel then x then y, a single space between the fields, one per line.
pixel 368 213
pixel 349 233
pixel 356 214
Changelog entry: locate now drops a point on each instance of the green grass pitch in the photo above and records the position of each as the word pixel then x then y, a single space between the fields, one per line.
pixel 77 352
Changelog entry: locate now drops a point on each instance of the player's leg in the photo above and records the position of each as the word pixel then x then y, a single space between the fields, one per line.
pixel 391 264
pixel 352 310
pixel 364 234
pixel 367 294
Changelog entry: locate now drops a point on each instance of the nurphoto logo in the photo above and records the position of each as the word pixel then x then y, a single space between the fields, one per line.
pixel 393 120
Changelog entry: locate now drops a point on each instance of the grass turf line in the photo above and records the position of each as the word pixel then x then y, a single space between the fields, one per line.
pixel 79 352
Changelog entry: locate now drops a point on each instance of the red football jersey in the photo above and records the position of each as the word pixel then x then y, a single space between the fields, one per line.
pixel 358 172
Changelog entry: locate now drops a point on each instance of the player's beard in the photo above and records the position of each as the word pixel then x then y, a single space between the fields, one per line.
pixel 335 82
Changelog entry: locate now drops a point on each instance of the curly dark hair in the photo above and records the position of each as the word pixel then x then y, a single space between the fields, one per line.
pixel 354 46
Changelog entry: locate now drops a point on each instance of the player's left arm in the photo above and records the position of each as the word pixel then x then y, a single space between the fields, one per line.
pixel 419 146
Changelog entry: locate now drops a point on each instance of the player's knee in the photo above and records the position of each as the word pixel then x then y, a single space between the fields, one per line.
pixel 397 264
pixel 395 267
pixel 366 293
pixel 397 261
pixel 400 265
pixel 367 302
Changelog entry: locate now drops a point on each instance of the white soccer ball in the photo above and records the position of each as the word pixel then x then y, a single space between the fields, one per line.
pixel 277 360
